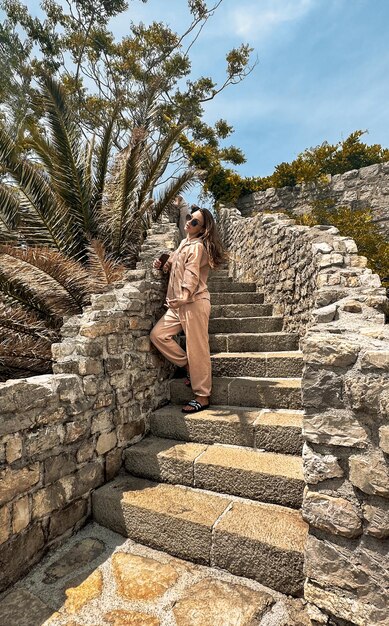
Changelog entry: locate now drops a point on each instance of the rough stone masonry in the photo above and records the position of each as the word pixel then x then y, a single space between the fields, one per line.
pixel 325 291
pixel 366 187
pixel 62 434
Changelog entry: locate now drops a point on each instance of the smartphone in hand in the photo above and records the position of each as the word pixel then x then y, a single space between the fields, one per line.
pixel 163 258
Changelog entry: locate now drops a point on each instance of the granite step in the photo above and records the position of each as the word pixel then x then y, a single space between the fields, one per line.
pixel 262 364
pixel 256 540
pixel 212 279
pixel 227 286
pixel 245 325
pixel 241 310
pixel 252 342
pixel 240 471
pixel 266 393
pixel 274 431
pixel 253 297
pixel 219 273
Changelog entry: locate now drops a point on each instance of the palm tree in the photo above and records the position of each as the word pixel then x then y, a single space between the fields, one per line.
pixel 72 218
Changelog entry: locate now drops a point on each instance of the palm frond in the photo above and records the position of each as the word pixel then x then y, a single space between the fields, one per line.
pixel 140 216
pixel 88 157
pixel 9 211
pixel 103 269
pixel 43 216
pixel 177 186
pixel 123 192
pixel 17 292
pixel 101 168
pixel 157 163
pixel 69 277
pixel 15 318
pixel 40 145
pixel 23 284
pixel 21 356
pixel 66 149
pixel 147 106
pixel 25 342
pixel 37 287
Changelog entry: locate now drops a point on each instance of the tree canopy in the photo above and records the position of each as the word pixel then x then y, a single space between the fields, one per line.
pixel 101 74
pixel 310 166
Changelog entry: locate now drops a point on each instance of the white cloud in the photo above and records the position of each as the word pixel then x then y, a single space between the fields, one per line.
pixel 257 20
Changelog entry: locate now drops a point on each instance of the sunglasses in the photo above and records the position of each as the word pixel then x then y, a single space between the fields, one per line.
pixel 193 222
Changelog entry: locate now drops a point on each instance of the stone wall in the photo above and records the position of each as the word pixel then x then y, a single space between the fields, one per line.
pixel 368 186
pixel 302 270
pixel 346 465
pixel 329 295
pixel 62 435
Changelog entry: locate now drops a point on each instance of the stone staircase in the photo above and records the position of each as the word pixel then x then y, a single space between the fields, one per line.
pixel 223 487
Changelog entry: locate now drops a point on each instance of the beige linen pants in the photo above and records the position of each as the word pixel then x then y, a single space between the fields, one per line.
pixel 193 319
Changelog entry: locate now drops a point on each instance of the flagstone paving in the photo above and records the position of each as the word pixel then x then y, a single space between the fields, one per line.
pixel 98 578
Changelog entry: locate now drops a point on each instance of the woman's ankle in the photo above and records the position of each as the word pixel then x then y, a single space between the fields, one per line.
pixel 202 399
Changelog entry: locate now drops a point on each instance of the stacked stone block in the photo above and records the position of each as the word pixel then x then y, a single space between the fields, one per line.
pixel 303 271
pixel 346 454
pixel 368 186
pixel 341 317
pixel 62 435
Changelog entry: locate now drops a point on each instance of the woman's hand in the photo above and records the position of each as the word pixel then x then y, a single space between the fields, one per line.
pixel 175 303
pixel 157 264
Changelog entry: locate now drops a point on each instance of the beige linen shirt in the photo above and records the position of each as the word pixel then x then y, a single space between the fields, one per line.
pixel 189 268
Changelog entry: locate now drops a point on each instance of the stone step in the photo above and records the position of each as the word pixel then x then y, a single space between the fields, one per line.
pixel 241 310
pixel 227 286
pixel 267 393
pixel 254 297
pixel 239 471
pixel 274 431
pixel 245 325
pixel 216 278
pixel 253 342
pixel 261 364
pixel 214 281
pixel 219 273
pixel 260 541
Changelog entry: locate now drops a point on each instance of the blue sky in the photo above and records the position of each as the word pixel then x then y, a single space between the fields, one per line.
pixel 322 70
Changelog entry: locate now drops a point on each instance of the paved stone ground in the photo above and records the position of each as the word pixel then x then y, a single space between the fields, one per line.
pixel 98 578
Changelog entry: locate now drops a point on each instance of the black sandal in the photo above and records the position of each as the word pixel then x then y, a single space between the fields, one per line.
pixel 196 406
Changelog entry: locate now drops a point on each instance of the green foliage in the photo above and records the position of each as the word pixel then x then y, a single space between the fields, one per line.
pixel 64 196
pixel 99 73
pixel 355 223
pixel 72 217
pixel 15 74
pixel 223 183
pixel 226 186
pixel 311 166
pixel 102 76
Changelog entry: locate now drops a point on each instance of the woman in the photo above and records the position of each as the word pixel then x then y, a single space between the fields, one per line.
pixel 189 304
